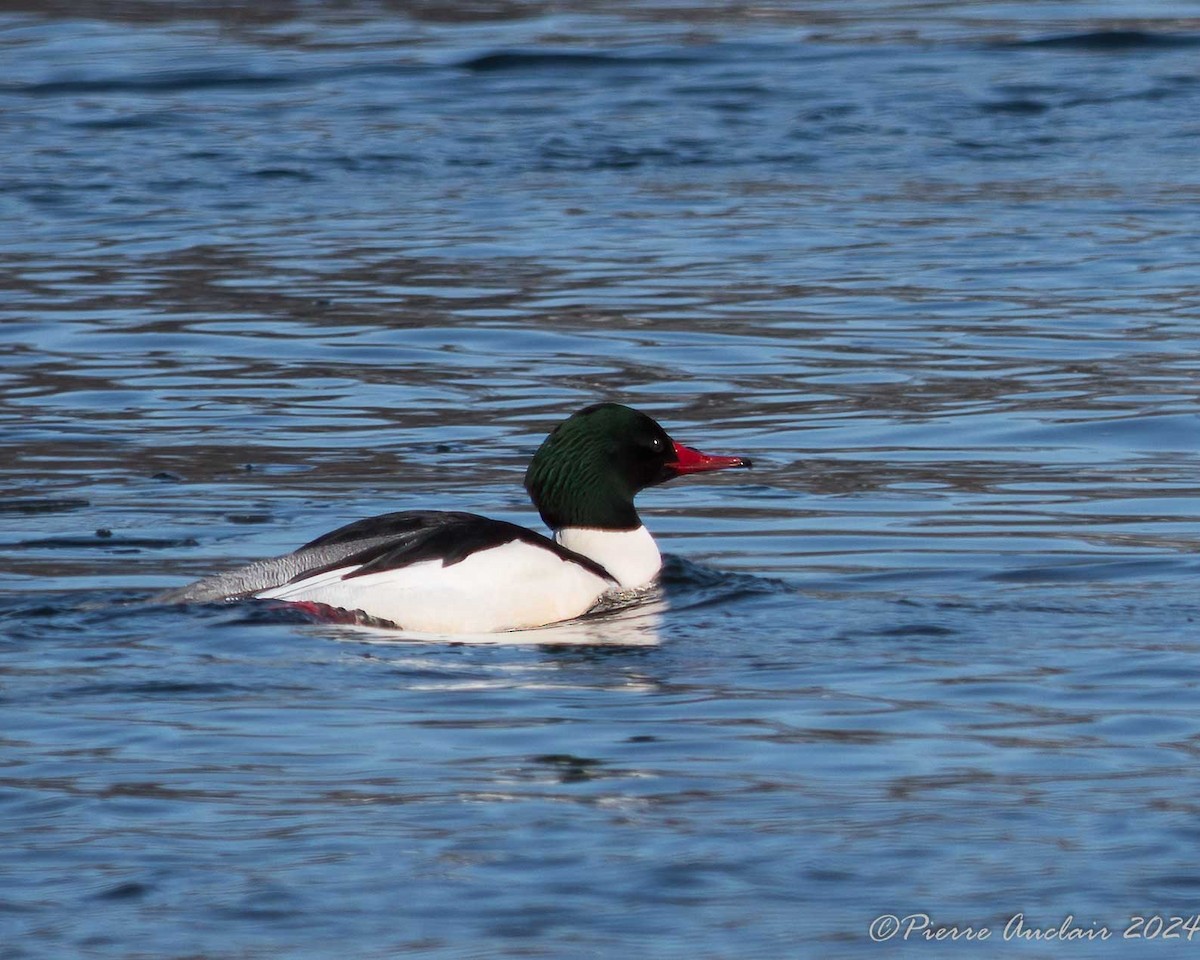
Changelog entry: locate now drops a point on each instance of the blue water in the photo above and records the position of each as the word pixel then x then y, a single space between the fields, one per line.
pixel 266 269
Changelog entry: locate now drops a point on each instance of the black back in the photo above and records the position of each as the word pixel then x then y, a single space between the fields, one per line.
pixel 396 540
pixel 387 542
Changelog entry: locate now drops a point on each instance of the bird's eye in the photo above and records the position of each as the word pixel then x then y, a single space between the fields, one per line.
pixel 656 444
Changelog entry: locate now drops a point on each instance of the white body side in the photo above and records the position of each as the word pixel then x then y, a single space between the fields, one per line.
pixel 629 555
pixel 510 587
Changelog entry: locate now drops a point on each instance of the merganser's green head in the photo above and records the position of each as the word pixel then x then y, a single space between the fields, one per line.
pixel 587 472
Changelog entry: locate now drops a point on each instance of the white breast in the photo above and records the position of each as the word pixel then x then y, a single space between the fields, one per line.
pixel 510 587
pixel 629 555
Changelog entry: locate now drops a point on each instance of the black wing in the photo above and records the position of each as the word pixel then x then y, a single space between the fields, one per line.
pixel 398 540
pixel 375 544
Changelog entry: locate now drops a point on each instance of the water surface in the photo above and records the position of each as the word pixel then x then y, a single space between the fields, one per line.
pixel 933 266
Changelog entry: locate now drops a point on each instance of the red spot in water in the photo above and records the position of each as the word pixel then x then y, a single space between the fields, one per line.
pixel 324 613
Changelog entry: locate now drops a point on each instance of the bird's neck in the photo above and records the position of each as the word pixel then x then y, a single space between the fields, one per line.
pixel 631 556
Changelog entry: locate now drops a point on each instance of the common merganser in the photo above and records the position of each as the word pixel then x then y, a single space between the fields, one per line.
pixel 448 572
